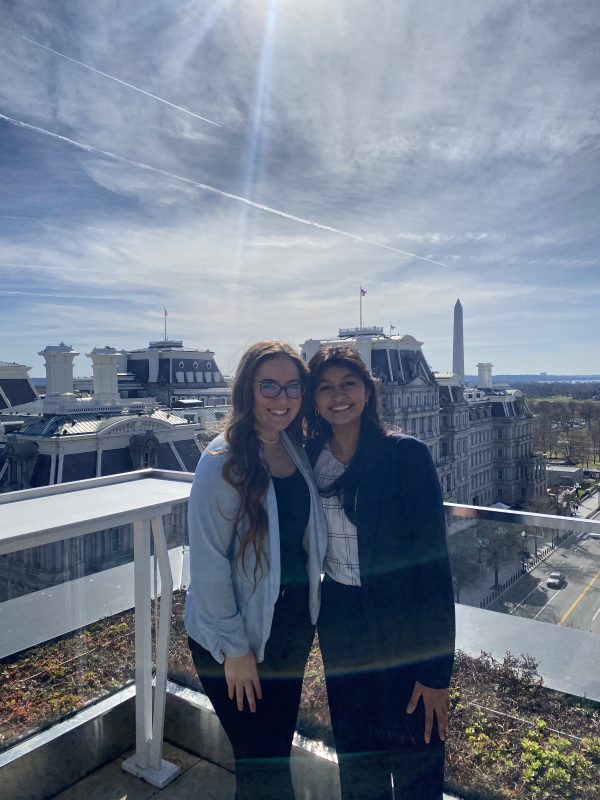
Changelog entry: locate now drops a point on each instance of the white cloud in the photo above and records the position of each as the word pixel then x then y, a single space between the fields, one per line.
pixel 461 132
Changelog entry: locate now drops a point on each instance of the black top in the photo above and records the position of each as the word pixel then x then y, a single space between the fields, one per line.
pixel 403 555
pixel 293 508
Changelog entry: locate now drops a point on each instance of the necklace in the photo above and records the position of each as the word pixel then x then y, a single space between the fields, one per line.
pixel 268 441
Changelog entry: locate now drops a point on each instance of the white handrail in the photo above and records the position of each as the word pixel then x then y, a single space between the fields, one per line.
pixel 35 517
pixel 147 761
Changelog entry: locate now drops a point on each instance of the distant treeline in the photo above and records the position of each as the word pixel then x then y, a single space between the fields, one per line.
pixel 567 429
pixel 577 391
pixel 524 377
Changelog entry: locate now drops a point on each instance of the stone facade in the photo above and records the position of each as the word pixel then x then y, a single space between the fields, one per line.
pixel 481 440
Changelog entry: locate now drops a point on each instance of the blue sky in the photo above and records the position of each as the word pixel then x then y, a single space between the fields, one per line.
pixel 463 133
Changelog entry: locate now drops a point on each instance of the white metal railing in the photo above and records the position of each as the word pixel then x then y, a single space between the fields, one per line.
pixel 52 514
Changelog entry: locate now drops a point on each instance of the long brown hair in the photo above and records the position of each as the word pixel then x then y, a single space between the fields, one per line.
pixel 245 469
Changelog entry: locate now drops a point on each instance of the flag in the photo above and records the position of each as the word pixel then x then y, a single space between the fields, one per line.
pixel 165 310
pixel 362 292
pixel 392 327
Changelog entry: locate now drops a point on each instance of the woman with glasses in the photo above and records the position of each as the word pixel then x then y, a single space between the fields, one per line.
pixel 257 542
pixel 386 627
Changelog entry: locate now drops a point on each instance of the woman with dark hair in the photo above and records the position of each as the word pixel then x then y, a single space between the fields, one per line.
pixel 386 626
pixel 257 541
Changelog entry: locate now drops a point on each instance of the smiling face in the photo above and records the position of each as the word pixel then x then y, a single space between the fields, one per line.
pixel 340 397
pixel 273 415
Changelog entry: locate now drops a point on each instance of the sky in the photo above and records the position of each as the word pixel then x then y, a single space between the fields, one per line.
pixel 248 166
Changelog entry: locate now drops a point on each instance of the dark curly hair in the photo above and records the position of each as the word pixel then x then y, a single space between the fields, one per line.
pixel 245 469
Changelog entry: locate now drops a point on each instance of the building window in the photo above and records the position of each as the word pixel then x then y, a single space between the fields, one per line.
pixel 115 542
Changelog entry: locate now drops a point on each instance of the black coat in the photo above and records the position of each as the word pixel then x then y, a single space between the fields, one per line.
pixel 403 557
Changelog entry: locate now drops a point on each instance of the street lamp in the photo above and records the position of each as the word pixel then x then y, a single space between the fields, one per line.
pixel 496 563
pixel 524 551
pixel 535 541
pixel 480 546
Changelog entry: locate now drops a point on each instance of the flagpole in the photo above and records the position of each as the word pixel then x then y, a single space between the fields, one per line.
pixel 165 310
pixel 360 297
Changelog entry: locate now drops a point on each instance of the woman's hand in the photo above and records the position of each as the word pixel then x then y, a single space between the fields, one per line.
pixel 435 701
pixel 241 676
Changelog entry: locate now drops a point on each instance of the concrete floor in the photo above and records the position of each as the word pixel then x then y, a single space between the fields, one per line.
pixel 198 779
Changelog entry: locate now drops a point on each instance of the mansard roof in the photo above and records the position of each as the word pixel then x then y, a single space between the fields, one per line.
pixel 401 366
pixel 78 424
pixel 17 391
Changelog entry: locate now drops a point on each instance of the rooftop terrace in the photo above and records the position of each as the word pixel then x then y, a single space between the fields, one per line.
pixel 96 719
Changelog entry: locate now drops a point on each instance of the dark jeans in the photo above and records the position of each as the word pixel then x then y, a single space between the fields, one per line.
pixel 262 741
pixel 380 748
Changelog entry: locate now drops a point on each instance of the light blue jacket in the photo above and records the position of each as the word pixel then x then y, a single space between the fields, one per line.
pixel 225 610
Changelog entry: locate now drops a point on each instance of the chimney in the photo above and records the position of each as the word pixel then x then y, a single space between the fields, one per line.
pixel 59 368
pixel 105 362
pixel 484 372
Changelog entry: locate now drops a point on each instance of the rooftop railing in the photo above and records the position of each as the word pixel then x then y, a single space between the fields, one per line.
pixel 501 562
pixel 50 515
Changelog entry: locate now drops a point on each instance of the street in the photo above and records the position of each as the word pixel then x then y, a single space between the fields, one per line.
pixel 576 604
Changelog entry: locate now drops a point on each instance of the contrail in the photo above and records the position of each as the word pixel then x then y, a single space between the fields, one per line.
pixel 88 148
pixel 56 295
pixel 41 266
pixel 110 77
pixel 18 216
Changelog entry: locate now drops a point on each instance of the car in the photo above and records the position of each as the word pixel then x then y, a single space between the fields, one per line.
pixel 556 580
pixel 594 535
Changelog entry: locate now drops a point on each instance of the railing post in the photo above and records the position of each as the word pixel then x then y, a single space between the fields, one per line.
pixel 146 762
pixel 162 646
pixel 143 642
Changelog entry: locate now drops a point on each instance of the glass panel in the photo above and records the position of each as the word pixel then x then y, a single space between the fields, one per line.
pixel 67 624
pixel 67 631
pixel 506 566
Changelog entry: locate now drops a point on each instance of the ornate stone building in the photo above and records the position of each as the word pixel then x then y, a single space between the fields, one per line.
pixel 171 372
pixel 481 439
pixel 76 437
pixel 67 437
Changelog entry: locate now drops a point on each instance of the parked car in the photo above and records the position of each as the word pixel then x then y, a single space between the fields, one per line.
pixel 556 580
pixel 594 535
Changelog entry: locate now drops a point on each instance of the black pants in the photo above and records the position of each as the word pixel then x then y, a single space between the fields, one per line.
pixel 380 748
pixel 262 741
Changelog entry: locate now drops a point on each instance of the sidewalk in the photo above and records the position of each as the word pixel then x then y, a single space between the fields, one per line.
pixel 475 592
pixel 589 506
pixel 479 592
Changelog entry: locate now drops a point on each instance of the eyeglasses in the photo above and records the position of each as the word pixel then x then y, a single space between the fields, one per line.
pixel 271 389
